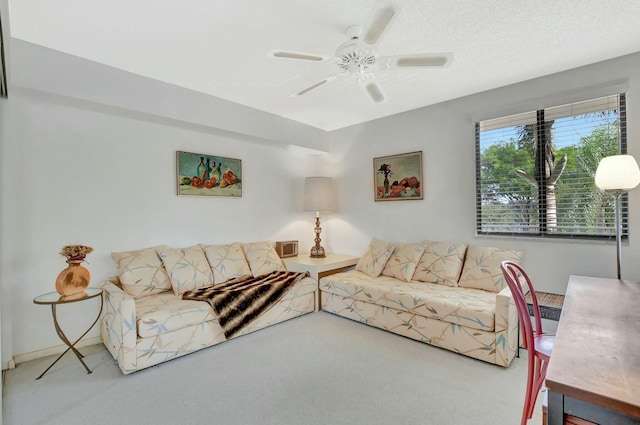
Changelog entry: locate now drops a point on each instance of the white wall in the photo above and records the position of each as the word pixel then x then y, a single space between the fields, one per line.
pixel 3 105
pixel 74 171
pixel 73 174
pixel 54 72
pixel 445 135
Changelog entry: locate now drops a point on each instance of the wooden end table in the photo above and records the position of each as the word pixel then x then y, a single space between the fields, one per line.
pixel 320 267
pixel 54 299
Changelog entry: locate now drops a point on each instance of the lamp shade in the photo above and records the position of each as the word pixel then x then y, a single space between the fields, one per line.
pixel 319 194
pixel 618 172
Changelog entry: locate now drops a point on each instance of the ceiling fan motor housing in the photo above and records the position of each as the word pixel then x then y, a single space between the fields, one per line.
pixel 356 57
pixel 357 62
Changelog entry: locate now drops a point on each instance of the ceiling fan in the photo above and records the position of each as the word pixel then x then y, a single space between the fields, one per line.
pixel 357 58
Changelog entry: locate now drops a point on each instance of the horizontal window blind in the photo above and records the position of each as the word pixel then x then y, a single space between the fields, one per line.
pixel 535 171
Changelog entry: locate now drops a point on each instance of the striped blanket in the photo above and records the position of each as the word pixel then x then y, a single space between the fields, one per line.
pixel 238 302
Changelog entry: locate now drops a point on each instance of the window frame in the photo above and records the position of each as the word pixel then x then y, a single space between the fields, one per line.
pixel 543 232
pixel 3 69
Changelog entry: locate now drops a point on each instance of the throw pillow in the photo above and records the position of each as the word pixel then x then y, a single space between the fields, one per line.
pixel 187 268
pixel 262 258
pixel 404 260
pixel 482 270
pixel 227 261
pixel 141 272
pixel 375 257
pixel 441 263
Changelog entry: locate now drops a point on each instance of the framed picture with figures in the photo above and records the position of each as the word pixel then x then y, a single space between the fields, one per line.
pixel 398 177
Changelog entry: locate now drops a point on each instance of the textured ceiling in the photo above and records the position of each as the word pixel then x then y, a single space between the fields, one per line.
pixel 222 47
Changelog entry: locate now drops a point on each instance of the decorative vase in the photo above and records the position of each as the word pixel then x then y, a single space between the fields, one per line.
pixel 386 185
pixel 74 279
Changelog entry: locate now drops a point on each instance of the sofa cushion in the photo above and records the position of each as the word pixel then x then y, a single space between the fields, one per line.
pixel 403 261
pixel 188 268
pixel 141 272
pixel 471 308
pixel 441 263
pixel 262 258
pixel 227 261
pixel 168 312
pixel 375 257
pixel 482 270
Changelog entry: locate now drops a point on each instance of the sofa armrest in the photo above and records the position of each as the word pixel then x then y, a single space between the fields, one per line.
pixel 118 326
pixel 504 305
pixel 506 327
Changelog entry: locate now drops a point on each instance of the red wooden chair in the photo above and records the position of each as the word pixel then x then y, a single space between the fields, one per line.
pixel 537 343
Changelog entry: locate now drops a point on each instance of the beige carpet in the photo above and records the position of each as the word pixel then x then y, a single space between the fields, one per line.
pixel 317 369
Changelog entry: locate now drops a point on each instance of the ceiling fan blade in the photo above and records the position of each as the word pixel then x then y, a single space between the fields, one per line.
pixel 377 23
pixel 425 60
pixel 315 85
pixel 373 90
pixel 297 56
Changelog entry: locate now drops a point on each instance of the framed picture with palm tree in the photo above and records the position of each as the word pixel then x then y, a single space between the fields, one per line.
pixel 398 177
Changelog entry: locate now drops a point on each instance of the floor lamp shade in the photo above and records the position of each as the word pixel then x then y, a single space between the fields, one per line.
pixel 318 196
pixel 617 174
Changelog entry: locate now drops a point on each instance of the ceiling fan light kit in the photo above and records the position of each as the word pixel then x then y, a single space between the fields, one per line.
pixel 357 58
pixel 357 62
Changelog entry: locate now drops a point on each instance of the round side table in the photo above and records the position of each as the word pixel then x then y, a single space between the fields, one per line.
pixel 54 299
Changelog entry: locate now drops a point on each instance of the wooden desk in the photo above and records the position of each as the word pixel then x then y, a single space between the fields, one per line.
pixel 594 371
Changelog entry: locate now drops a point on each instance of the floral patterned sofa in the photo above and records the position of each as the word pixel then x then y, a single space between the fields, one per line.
pixel 145 320
pixel 449 295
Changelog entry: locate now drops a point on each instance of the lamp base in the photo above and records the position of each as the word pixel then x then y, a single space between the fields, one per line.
pixel 317 252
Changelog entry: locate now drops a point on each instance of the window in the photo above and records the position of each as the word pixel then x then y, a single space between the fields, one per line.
pixel 535 171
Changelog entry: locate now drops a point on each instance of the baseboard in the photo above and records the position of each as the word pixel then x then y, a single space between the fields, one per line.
pixel 21 358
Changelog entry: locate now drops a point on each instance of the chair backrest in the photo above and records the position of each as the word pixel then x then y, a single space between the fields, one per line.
pixel 514 274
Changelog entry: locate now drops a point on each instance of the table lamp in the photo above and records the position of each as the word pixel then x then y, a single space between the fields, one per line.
pixel 319 196
pixel 615 175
